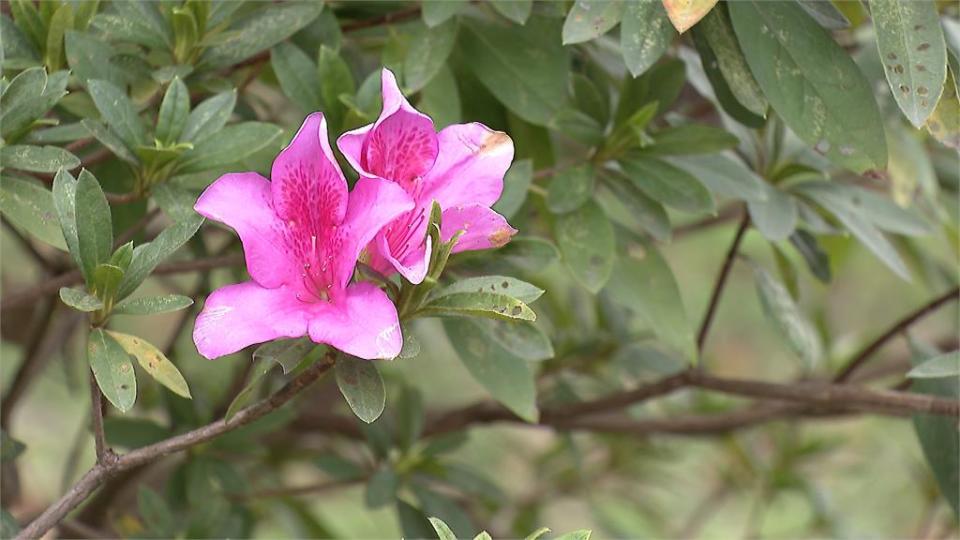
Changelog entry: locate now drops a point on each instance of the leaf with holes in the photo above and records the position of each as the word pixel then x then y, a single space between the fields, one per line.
pixel 112 369
pixel 508 286
pixel 590 19
pixel 479 304
pixel 645 34
pixel 154 362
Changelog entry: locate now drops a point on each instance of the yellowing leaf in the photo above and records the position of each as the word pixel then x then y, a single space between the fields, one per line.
pixel 154 362
pixel 686 13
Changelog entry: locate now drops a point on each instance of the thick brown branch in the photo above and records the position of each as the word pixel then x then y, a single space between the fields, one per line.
pixel 721 281
pixel 895 330
pixel 101 472
pixel 73 277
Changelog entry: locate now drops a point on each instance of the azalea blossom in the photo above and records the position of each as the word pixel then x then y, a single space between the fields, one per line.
pixel 302 232
pixel 461 168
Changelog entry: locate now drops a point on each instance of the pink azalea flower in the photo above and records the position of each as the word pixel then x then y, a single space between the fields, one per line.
pixel 302 233
pixel 461 168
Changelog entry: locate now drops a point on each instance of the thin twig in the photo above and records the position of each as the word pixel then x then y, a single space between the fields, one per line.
pixel 898 328
pixel 102 471
pixel 96 415
pixel 721 281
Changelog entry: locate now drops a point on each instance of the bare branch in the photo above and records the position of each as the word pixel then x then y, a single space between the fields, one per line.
pixel 96 414
pixel 721 281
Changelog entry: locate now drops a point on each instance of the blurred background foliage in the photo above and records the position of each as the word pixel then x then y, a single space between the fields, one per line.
pixel 825 134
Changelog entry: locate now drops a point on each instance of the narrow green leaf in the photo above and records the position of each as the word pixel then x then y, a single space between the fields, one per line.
pixel 811 82
pixel 287 353
pixel 508 286
pixel 507 377
pixel 89 58
pixel 525 68
pixel 945 365
pixel 775 217
pixel 361 385
pixel 443 531
pixel 247 393
pixel 27 84
pixel 438 504
pixel 521 338
pixel 661 84
pixel 825 13
pixel 80 300
pixel 644 283
pixel 479 304
pixel 529 254
pixel 719 34
pixel 94 223
pixel 586 242
pixel 436 12
pixel 631 208
pixel 516 184
pixel 645 34
pixel 792 323
pixel 517 11
pixel 570 189
pixel 174 111
pixel 427 54
pixel 30 206
pixel 64 201
pixel 590 19
pixel 535 535
pixel 259 30
pixel 108 138
pixel 152 305
pixel 816 258
pixel 154 362
pixel 147 256
pixel 297 75
pixel 668 184
pixel 61 21
pixel 591 99
pixel 724 175
pixel 913 54
pixel 118 112
pixel 690 139
pixel 17 47
pixel 46 159
pixel 112 369
pixel 209 116
pixel 582 534
pixel 336 79
pixel 231 144
pixel 36 102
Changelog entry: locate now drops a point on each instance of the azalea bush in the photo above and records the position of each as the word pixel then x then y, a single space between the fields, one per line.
pixel 505 268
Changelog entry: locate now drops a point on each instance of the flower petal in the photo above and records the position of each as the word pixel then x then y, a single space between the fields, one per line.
pixel 244 202
pixel 236 316
pixel 400 146
pixel 483 228
pixel 308 187
pixel 373 204
pixel 415 261
pixel 364 323
pixel 470 166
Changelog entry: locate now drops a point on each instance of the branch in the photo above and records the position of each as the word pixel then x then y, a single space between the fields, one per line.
pixel 96 413
pixel 102 471
pixel 721 281
pixel 895 330
pixel 74 277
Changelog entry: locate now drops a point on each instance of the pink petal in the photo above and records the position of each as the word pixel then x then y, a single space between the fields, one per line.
pixel 470 166
pixel 414 264
pixel 236 316
pixel 373 204
pixel 364 323
pixel 308 187
pixel 400 146
pixel 483 228
pixel 244 202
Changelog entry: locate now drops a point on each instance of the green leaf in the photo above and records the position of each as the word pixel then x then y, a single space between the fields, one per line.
pixel 724 175
pixel 413 522
pixel 913 54
pixel 90 57
pixel 516 184
pixel 336 79
pixel 156 513
pixel 530 254
pixel 521 338
pixel 118 112
pixel 247 393
pixel 361 385
pixel 479 304
pixel 945 365
pixel 517 11
pixel 570 189
pixel 535 535
pixel 811 82
pixel 29 19
pixel 112 369
pixel 440 99
pixel 775 217
pixel 28 83
pixel 34 101
pixel 645 34
pixel 436 12
pixel 152 305
pixel 106 278
pixel 287 353
pixel 661 84
pixel 297 75
pixel 64 201
pixel 938 434
pixel 154 362
pixel 16 45
pixel 644 283
pixel 591 99
pixel 209 116
pixel 427 54
pixel 944 123
pixel 525 68
pixel 718 33
pixel 147 256
pixel 506 376
pixel 577 125
pixel 94 223
pixel 231 144
pixel 631 208
pixel 443 531
pixel 80 300
pixel 381 488
pixel 668 184
pixel 260 30
pixel 508 286
pixel 61 21
pixel 137 22
pixel 816 258
pixel 438 504
pixel 590 19
pixel 825 13
pixel 174 111
pixel 46 159
pixel 792 323
pixel 582 534
pixel 645 362
pixel 586 242
pixel 690 139
pixel 108 138
pixel 30 206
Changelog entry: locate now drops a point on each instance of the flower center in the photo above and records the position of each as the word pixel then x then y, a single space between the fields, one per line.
pixel 319 269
